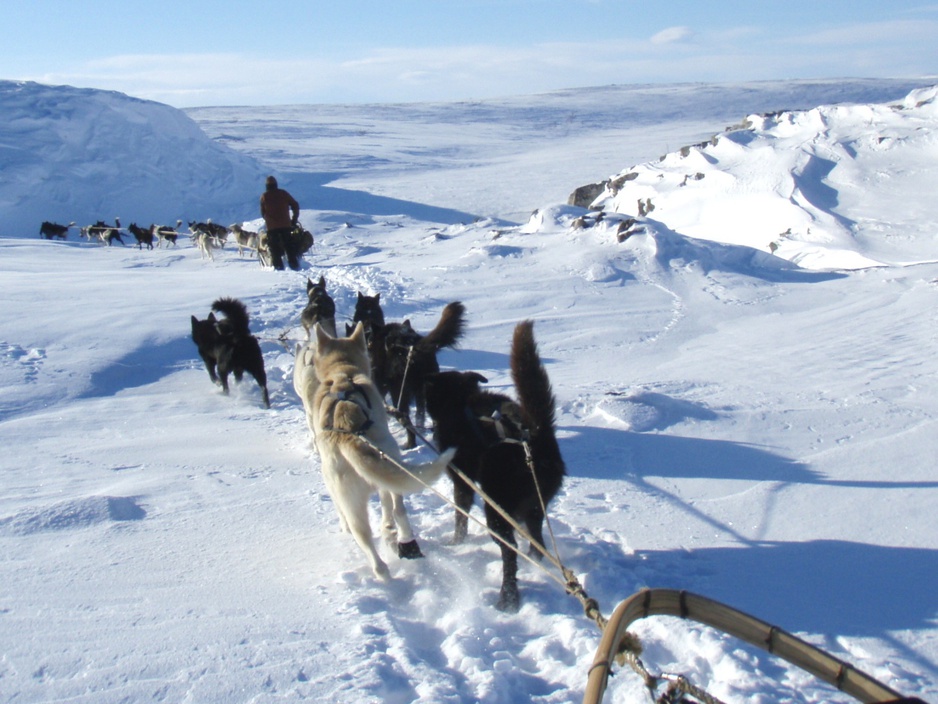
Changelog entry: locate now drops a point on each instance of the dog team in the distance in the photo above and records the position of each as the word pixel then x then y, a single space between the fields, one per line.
pixel 207 236
pixel 352 386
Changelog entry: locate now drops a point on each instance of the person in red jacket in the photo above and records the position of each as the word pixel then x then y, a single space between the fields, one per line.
pixel 281 213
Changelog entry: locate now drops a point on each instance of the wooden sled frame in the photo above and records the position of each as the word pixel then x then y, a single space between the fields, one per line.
pixel 671 602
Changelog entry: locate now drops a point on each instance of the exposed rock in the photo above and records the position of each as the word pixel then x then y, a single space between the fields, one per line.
pixel 583 196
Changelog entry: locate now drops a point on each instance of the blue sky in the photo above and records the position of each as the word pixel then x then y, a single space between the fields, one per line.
pixel 207 52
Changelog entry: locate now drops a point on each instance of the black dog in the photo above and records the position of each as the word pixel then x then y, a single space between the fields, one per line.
pixel 368 311
pixel 144 236
pixel 409 357
pixel 228 345
pixel 320 308
pixel 51 230
pixel 492 435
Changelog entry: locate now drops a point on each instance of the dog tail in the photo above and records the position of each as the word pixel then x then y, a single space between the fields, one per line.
pixel 448 331
pixel 236 312
pixel 531 380
pixel 382 472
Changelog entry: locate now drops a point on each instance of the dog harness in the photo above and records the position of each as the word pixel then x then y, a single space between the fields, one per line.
pixel 347 391
pixel 508 425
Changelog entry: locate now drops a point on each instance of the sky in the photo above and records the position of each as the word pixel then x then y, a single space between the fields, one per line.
pixel 190 53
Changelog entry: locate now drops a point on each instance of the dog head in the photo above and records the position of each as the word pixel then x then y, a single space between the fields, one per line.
pixel 346 356
pixel 317 289
pixel 400 337
pixel 205 332
pixel 368 310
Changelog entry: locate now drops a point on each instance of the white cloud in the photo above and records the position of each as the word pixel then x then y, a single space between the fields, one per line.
pixel 484 71
pixel 672 35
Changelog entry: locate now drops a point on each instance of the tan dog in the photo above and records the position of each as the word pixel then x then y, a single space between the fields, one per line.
pixel 347 417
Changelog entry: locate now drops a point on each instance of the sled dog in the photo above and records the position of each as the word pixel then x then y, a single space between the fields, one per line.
pixel 359 456
pixel 227 346
pixel 492 435
pixel 320 307
pixel 408 357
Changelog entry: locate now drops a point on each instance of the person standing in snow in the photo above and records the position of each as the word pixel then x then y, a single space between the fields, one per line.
pixel 281 214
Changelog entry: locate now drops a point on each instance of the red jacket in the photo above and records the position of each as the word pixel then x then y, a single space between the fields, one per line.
pixel 276 205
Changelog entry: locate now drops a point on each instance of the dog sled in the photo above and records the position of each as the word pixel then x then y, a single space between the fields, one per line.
pixel 618 645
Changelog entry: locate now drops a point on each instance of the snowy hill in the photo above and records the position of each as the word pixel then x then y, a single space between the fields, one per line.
pixel 82 155
pixel 734 422
pixel 800 185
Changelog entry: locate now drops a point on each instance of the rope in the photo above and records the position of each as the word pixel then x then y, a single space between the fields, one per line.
pixel 410 355
pixel 569 582
pixel 629 648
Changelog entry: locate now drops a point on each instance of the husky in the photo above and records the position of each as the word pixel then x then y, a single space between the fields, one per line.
pixel 144 236
pixel 320 307
pixel 346 416
pixel 165 232
pixel 492 435
pixel 52 230
pixel 245 239
pixel 207 245
pixel 368 310
pixel 227 346
pixel 408 357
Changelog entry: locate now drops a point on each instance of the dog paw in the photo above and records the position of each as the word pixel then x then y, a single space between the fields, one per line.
pixel 382 573
pixel 409 551
pixel 508 603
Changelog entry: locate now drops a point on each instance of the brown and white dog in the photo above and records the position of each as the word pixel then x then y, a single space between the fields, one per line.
pixel 347 418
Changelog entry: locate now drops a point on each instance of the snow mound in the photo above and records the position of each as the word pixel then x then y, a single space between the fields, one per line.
pixel 80 155
pixel 797 185
pixel 76 513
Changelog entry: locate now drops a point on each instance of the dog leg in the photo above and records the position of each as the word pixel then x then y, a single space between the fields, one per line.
pixel 210 366
pixel 388 526
pixel 509 600
pixel 223 379
pixel 407 547
pixel 333 488
pixel 535 525
pixel 351 497
pixel 463 496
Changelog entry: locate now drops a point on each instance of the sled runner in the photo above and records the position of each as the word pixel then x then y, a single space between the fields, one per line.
pixel 618 644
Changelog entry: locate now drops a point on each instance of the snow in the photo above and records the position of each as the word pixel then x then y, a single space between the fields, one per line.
pixel 754 423
pixel 72 154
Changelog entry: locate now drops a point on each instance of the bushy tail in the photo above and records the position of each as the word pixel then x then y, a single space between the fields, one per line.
pixel 384 472
pixel 448 331
pixel 236 312
pixel 530 377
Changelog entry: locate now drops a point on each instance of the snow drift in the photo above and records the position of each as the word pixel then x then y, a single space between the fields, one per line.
pixel 796 185
pixel 83 155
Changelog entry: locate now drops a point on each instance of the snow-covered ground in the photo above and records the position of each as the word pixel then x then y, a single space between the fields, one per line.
pixel 746 384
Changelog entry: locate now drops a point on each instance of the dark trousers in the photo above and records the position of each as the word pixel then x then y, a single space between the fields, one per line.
pixel 280 241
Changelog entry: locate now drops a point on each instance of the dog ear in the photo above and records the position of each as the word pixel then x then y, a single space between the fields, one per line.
pixel 322 281
pixel 322 337
pixel 212 318
pixel 309 285
pixel 358 334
